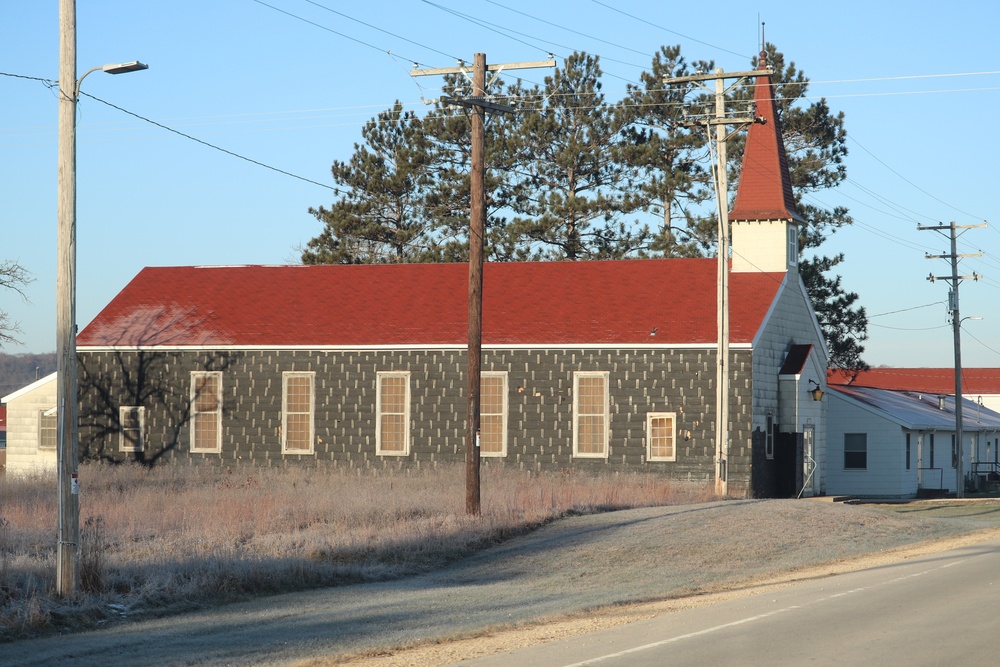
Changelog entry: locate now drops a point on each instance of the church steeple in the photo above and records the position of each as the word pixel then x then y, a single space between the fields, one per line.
pixel 764 218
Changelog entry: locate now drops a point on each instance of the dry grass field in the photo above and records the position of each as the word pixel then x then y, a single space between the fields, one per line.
pixel 168 539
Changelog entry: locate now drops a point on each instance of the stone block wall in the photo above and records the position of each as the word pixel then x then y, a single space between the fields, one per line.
pixel 540 406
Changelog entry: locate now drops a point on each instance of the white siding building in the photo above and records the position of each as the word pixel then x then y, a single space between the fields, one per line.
pixel 883 443
pixel 31 427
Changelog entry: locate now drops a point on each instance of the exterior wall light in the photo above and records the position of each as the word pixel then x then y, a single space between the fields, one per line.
pixel 817 391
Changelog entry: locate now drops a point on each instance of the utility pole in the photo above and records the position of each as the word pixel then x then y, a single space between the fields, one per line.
pixel 956 325
pixel 67 407
pixel 720 121
pixel 478 103
pixel 68 538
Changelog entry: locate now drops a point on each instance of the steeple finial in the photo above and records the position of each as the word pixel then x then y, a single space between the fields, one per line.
pixel 763 48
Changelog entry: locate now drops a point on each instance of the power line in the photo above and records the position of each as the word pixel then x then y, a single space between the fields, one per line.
pixel 484 24
pixel 673 32
pixel 331 30
pixel 973 337
pixel 883 326
pixel 373 27
pixel 904 310
pixel 213 146
pixel 908 181
pixel 575 32
pixel 911 77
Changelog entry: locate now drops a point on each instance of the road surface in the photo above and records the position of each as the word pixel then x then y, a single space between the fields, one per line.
pixel 938 609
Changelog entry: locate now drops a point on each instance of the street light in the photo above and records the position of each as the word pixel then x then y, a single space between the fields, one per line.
pixel 112 68
pixel 67 557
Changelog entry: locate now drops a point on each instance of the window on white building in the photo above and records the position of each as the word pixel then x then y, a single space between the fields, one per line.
pixel 855 451
pixel 48 425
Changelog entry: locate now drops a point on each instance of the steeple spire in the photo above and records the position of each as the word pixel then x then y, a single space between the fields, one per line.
pixel 765 188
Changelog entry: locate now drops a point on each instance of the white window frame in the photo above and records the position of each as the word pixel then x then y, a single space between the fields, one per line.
pixel 504 389
pixel 379 451
pixel 285 377
pixel 650 417
pixel 196 377
pixel 45 418
pixel 606 415
pixel 123 443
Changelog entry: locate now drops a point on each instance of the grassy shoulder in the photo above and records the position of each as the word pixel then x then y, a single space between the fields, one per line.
pixel 168 539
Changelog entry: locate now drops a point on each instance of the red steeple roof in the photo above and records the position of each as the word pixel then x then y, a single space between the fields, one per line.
pixel 626 302
pixel 765 188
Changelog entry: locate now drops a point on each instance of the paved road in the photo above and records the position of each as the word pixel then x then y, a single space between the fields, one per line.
pixel 938 609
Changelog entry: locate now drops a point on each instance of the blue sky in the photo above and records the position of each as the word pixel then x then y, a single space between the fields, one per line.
pixel 289 83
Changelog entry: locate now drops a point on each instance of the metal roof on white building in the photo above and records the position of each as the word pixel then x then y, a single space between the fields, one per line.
pixel 920 412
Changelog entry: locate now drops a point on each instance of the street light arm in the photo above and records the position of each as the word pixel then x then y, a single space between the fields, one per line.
pixel 79 82
pixel 110 68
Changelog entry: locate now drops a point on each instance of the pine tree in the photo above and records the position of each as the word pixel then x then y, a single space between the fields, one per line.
pixel 669 178
pixel 381 216
pixel 569 197
pixel 447 199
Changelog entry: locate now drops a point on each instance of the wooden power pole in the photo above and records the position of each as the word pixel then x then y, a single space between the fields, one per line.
pixel 720 121
pixel 68 538
pixel 956 326
pixel 478 104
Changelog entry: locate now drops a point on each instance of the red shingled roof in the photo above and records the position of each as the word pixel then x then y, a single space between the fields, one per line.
pixel 923 380
pixel 765 188
pixel 538 303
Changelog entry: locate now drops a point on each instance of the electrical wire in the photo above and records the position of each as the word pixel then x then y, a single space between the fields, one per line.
pixel 209 145
pixel 905 310
pixel 575 32
pixel 374 27
pixel 673 32
pixel 973 337
pixel 906 180
pixel 331 30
